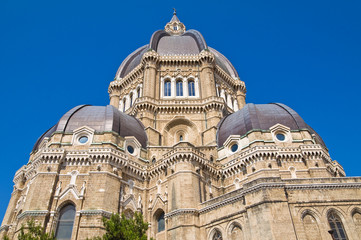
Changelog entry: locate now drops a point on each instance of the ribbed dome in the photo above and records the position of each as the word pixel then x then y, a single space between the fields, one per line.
pixel 261 117
pixel 191 42
pixel 99 118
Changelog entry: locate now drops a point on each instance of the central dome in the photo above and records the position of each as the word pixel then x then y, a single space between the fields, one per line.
pixel 175 40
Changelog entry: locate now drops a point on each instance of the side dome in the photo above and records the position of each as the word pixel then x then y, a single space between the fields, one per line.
pixel 261 117
pixel 99 118
pixel 175 42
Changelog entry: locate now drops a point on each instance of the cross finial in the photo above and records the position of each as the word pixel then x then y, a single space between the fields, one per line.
pixel 174 11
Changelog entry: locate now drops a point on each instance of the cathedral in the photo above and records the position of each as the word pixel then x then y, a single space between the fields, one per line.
pixel 179 143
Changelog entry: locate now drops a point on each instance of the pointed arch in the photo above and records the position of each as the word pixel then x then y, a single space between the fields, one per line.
pixel 311 226
pixel 216 234
pixel 356 217
pixel 336 226
pixel 159 217
pixel 65 223
pixel 235 231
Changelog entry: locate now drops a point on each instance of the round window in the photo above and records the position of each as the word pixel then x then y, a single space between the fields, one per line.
pixel 280 137
pixel 234 147
pixel 130 149
pixel 83 139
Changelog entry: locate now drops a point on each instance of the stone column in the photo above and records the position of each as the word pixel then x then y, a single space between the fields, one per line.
pixel 241 98
pixel 150 60
pixel 208 85
pixel 114 97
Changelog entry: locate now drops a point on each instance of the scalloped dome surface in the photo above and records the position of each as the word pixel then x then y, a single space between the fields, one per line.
pixel 261 117
pixel 189 43
pixel 99 118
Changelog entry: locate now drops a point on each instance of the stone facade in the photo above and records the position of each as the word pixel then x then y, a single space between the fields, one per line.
pixel 194 154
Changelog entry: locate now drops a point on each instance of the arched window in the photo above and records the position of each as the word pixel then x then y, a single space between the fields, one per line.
pixel 160 222
pixel 244 169
pixel 311 228
pixel 217 235
pixel 236 233
pixel 65 223
pixel 357 220
pixel 191 91
pixel 337 227
pixel 138 93
pixel 131 99
pixel 124 102
pixel 179 87
pixel 167 88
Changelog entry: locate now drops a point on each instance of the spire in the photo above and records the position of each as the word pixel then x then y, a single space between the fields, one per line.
pixel 174 18
pixel 175 27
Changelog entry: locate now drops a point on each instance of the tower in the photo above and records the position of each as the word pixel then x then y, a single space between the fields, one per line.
pixel 179 144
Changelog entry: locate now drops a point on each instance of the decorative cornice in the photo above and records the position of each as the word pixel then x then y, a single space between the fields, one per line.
pixel 94 212
pixel 127 80
pixel 32 213
pixel 322 186
pixel 181 211
pixel 256 153
pixel 237 84
pixel 239 196
pixel 177 105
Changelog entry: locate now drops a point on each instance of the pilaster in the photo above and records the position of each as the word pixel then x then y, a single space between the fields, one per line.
pixel 208 84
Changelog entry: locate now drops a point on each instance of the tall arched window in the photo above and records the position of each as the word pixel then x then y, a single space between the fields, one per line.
pixel 357 220
pixel 179 87
pixel 167 88
pixel 138 93
pixel 311 228
pixel 160 222
pixel 131 99
pixel 124 102
pixel 191 91
pixel 217 235
pixel 65 223
pixel 337 227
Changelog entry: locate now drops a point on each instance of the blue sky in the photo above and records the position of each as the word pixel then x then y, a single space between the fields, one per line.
pixel 55 55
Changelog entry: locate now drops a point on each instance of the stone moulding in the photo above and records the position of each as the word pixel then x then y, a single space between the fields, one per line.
pixel 33 213
pixel 181 212
pixel 94 212
pixel 184 105
pixel 123 82
pixel 235 83
pixel 273 152
pixel 120 160
pixel 322 186
pixel 239 196
pixel 260 186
